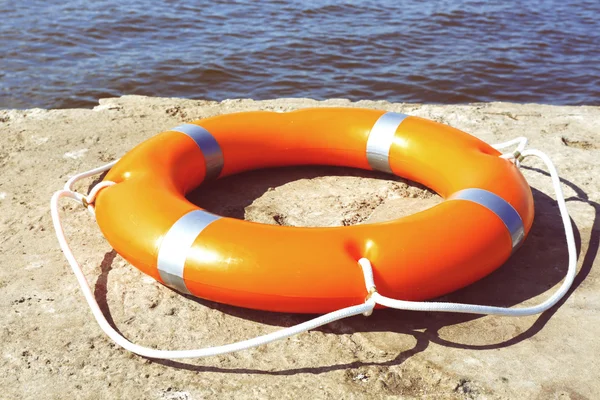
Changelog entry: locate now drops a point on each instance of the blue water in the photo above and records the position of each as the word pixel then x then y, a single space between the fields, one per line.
pixel 70 53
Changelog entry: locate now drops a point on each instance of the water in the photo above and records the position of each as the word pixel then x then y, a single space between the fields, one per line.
pixel 456 51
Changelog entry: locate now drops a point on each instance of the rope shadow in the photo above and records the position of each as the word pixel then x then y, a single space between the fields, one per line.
pixel 101 286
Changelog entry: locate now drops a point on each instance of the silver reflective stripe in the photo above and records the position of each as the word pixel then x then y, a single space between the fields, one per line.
pixel 511 218
pixel 213 156
pixel 381 139
pixel 176 245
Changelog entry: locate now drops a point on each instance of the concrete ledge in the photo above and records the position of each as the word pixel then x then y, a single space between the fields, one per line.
pixel 52 345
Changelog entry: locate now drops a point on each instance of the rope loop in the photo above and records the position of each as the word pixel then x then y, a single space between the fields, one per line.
pixel 90 200
pixel 515 156
pixel 373 297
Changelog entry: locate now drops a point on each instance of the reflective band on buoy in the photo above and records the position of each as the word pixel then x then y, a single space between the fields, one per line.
pixel 381 139
pixel 509 216
pixel 176 245
pixel 213 156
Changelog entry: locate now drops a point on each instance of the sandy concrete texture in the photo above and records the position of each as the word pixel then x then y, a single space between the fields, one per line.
pixel 52 348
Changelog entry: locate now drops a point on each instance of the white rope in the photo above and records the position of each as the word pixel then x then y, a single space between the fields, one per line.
pixel 516 155
pixel 69 185
pixel 366 308
pixel 88 200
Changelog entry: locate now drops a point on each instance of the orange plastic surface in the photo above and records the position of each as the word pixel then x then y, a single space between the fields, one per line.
pixel 315 270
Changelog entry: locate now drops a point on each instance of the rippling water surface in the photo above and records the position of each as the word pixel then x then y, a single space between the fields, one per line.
pixel 70 53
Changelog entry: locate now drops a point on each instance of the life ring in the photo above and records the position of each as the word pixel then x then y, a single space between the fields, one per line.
pixel 146 218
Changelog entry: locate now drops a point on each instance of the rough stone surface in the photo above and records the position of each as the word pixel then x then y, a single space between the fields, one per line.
pixel 52 348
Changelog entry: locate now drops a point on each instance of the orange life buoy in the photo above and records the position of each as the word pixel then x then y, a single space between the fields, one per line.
pixel 487 213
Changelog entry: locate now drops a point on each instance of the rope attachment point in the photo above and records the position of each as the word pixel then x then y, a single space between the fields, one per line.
pixel 367 270
pixel 515 156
